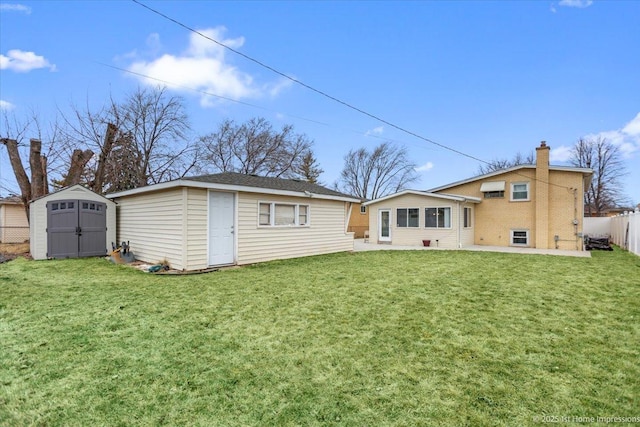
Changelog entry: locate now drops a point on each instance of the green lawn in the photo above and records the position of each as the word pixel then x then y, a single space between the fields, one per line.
pixel 366 339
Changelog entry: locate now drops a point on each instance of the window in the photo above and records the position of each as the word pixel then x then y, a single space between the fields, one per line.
pixel 363 209
pixel 54 206
pixel 303 216
pixel 282 215
pixel 493 189
pixel 265 214
pixel 520 191
pixel 437 217
pixel 285 214
pixel 408 217
pixel 520 237
pixel 493 194
pixel 467 217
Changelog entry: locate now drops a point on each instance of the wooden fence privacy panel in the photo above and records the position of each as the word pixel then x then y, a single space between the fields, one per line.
pixel 625 231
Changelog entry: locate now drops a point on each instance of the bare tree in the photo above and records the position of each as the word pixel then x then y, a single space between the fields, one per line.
pixel 605 190
pixel 255 147
pixel 149 125
pixel 31 176
pixel 370 175
pixel 499 164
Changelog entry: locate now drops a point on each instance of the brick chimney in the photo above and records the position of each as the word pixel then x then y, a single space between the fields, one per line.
pixel 542 196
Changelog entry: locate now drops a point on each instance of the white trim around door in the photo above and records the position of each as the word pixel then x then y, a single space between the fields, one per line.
pixel 384 225
pixel 222 228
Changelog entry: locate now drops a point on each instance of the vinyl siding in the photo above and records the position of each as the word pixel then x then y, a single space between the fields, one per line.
pixel 13 216
pixel 38 214
pixel 152 223
pixel 196 229
pixel 413 236
pixel 325 234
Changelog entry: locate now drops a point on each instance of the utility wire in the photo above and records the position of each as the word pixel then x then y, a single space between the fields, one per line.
pixel 324 94
pixel 311 88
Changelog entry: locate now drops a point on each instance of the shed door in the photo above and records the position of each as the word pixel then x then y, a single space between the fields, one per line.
pixel 76 228
pixel 92 220
pixel 62 223
pixel 221 228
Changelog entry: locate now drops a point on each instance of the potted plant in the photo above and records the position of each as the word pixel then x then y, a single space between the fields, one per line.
pixel 426 242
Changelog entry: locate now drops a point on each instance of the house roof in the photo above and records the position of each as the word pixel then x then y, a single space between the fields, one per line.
pixel 453 197
pixel 233 181
pixel 11 200
pixel 584 171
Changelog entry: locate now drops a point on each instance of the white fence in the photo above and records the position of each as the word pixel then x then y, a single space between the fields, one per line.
pixel 623 230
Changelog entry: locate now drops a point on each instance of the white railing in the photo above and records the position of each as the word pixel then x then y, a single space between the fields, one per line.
pixel 625 231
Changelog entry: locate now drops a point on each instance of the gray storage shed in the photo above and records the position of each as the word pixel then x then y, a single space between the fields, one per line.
pixel 72 223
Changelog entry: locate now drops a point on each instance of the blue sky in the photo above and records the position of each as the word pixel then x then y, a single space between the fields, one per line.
pixel 489 79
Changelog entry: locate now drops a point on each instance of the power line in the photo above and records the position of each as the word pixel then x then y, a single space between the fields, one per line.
pixel 318 91
pixel 324 94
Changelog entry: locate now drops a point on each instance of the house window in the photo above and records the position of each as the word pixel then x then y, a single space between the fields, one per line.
pixel 437 217
pixel 493 194
pixel 520 191
pixel 408 217
pixel 282 214
pixel 467 217
pixel 265 214
pixel 363 209
pixel 285 214
pixel 520 237
pixel 493 189
pixel 303 215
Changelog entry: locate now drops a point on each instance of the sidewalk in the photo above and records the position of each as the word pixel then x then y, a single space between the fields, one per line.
pixel 359 245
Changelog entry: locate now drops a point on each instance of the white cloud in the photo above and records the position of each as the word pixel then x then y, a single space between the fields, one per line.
pixel 576 3
pixel 375 131
pixel 6 105
pixel 9 7
pixel 204 67
pixel 560 154
pixel 23 62
pixel 425 168
pixel 627 139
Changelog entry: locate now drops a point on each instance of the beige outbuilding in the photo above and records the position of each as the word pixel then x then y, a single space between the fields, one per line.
pixel 232 219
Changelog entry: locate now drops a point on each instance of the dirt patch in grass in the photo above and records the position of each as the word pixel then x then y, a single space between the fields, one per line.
pixel 9 251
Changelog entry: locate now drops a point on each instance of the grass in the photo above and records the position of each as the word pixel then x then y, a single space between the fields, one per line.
pixel 366 339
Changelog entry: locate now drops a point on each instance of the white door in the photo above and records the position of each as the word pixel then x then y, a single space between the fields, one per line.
pixel 384 225
pixel 221 228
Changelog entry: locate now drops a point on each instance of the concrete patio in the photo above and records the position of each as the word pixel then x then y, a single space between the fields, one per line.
pixel 360 245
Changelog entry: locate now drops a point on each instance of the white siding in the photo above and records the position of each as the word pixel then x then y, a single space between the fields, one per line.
pixel 152 223
pixel 13 216
pixel 196 233
pixel 38 220
pixel 325 234
pixel 413 236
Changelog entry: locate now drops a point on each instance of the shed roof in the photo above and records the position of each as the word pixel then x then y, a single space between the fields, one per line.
pixel 243 182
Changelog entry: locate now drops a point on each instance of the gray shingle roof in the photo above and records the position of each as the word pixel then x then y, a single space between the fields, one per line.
pixel 240 179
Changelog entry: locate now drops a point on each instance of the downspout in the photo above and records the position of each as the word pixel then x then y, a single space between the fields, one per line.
pixel 575 217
